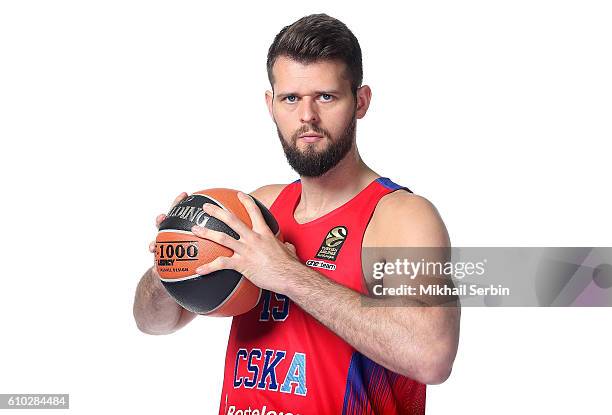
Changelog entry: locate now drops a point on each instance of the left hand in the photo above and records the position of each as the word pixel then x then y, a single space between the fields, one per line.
pixel 258 255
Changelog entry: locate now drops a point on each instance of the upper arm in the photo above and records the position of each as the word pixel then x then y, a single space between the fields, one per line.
pixel 406 226
pixel 267 194
pixel 403 219
pixel 413 227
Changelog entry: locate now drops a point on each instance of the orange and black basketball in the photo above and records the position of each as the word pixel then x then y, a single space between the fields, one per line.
pixel 178 252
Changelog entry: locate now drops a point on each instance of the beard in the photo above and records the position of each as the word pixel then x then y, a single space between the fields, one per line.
pixel 313 163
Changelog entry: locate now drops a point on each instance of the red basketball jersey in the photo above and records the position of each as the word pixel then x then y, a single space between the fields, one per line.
pixel 281 361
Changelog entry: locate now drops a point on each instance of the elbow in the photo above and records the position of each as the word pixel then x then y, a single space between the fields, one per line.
pixel 439 362
pixel 437 373
pixel 145 324
pixel 441 349
pixel 431 374
pixel 434 367
pixel 155 331
pixel 143 328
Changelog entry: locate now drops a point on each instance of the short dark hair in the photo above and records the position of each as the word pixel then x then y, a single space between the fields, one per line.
pixel 318 37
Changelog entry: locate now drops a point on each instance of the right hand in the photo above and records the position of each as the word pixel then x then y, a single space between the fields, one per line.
pixel 160 218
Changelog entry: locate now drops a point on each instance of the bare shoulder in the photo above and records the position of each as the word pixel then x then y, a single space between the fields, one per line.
pixel 267 194
pixel 406 219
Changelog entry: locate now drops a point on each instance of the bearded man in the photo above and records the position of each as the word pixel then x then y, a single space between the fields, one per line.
pixel 313 344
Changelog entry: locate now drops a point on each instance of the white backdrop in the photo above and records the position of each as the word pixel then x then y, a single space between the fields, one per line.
pixel 498 112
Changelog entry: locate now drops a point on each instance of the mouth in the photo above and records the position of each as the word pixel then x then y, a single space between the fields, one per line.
pixel 310 137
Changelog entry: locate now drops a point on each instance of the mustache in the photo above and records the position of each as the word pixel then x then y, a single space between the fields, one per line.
pixel 307 128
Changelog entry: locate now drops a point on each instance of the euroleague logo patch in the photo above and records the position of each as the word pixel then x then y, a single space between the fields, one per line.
pixel 332 243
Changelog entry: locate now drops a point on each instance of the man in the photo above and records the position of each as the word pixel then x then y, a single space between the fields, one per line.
pixel 313 344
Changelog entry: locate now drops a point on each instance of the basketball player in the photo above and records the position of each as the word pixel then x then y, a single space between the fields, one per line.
pixel 311 345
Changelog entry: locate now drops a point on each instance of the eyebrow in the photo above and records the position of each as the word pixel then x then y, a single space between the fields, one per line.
pixel 328 91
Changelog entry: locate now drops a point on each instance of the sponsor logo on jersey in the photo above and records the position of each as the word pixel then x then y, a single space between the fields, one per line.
pixel 330 248
pixel 321 264
pixel 232 410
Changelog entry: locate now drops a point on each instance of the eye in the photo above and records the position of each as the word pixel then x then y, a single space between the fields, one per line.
pixel 291 98
pixel 326 97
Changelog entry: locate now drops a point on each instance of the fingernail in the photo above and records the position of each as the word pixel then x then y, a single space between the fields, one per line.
pixel 201 269
pixel 195 228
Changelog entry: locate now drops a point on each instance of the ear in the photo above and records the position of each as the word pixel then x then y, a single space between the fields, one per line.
pixel 364 96
pixel 269 100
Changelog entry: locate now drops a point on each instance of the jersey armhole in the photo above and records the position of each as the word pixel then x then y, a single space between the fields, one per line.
pixel 396 188
pixel 283 191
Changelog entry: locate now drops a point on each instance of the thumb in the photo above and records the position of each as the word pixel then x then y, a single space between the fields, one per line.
pixel 291 248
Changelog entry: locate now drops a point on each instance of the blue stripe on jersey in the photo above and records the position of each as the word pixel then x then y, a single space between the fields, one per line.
pixel 385 181
pixel 368 386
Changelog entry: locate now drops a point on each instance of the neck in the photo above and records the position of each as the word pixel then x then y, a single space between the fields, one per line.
pixel 325 193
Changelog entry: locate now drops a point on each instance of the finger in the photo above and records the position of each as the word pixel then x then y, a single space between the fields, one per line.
pixel 159 219
pixel 219 263
pixel 228 218
pixel 178 199
pixel 290 247
pixel 257 219
pixel 292 250
pixel 219 237
pixel 152 247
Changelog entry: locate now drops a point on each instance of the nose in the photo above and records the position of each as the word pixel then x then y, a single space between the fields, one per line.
pixel 308 111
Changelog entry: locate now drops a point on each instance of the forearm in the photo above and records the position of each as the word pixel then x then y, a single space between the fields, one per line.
pixel 155 311
pixel 418 341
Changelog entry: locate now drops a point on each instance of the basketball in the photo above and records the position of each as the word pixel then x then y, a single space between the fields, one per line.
pixel 178 252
